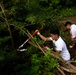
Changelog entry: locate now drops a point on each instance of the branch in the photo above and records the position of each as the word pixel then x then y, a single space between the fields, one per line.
pixel 61 71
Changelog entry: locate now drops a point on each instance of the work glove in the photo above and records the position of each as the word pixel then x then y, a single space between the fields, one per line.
pixel 71 46
pixel 37 32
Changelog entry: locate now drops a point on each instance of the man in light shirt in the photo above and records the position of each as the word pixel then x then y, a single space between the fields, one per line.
pixel 72 28
pixel 60 46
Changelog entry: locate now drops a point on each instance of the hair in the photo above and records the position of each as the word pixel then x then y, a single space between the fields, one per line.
pixel 55 31
pixel 68 22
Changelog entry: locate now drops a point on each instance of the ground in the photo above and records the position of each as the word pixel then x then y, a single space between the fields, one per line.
pixel 72 19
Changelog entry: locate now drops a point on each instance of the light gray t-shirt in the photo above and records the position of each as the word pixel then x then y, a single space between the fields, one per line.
pixel 61 46
pixel 73 31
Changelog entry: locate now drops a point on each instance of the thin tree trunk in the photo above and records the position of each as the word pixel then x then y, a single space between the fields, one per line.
pixel 3 10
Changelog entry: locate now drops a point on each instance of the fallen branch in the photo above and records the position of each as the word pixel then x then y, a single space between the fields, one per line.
pixel 61 71
pixel 70 70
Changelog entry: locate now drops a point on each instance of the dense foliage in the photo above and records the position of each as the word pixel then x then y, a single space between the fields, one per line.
pixel 31 15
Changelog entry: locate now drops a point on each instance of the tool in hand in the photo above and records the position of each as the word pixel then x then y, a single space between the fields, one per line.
pixel 20 47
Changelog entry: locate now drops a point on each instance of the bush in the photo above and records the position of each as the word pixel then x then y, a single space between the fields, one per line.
pixel 42 65
pixel 67 12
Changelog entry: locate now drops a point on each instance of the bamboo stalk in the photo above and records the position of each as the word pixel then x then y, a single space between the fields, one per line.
pixel 68 70
pixel 32 44
pixel 61 71
pixel 38 46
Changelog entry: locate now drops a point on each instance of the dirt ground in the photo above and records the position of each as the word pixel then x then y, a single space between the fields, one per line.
pixel 72 19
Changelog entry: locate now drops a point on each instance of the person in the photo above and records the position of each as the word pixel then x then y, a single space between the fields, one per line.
pixel 60 46
pixel 72 28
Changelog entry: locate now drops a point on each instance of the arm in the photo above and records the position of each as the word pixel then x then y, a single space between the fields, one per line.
pixel 72 38
pixel 57 52
pixel 43 37
pixel 73 43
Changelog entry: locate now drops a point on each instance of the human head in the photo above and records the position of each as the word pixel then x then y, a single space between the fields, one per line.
pixel 54 34
pixel 67 25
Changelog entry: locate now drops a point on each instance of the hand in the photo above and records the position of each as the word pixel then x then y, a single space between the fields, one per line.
pixel 46 48
pixel 70 46
pixel 37 31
